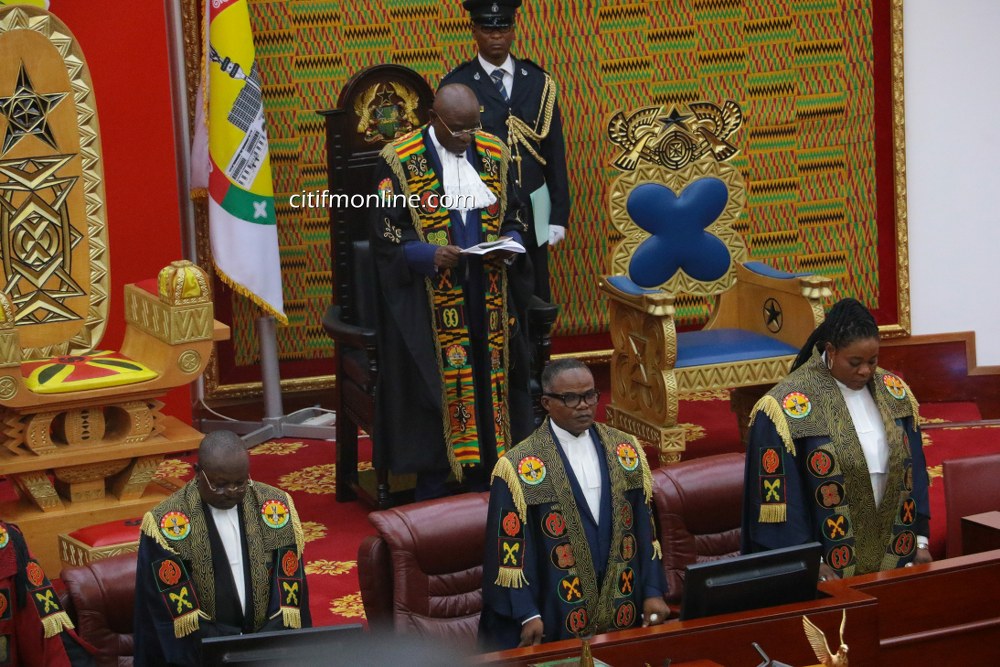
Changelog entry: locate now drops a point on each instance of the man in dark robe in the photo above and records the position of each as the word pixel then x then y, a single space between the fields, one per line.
pixel 453 392
pixel 221 556
pixel 518 102
pixel 570 544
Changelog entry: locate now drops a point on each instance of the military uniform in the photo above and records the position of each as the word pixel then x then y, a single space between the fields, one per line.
pixel 538 150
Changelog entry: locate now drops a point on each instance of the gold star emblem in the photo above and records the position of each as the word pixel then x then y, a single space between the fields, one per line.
pixel 27 112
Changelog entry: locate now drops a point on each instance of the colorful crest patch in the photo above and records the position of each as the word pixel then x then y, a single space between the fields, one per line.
pixel 772 490
pixel 46 601
pixel 5 613
pixel 627 549
pixel 511 553
pixel 796 405
pixel 175 526
pixel 840 557
pixel 554 524
pixel 830 494
pixel 770 461
pixel 820 463
pixel 385 187
pixel 457 356
pixel 836 527
pixel 36 575
pixel 895 386
pixel 180 600
pixel 627 456
pixel 562 556
pixel 4 536
pixel 275 514
pixel 169 572
pixel 427 201
pixel 626 581
pixel 570 590
pixel 531 470
pixel 625 616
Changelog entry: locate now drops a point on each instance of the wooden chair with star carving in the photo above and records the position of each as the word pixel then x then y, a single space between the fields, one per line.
pixel 677 207
pixel 81 427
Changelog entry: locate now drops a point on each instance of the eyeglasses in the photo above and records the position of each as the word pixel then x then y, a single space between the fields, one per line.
pixel 228 488
pixel 573 400
pixel 460 134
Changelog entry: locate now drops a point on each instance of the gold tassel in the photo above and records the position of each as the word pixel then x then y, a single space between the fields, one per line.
pixel 56 623
pixel 776 513
pixel 657 550
pixel 647 476
pixel 291 617
pixel 188 623
pixel 504 469
pixel 152 530
pixel 511 577
pixel 300 537
pixel 769 406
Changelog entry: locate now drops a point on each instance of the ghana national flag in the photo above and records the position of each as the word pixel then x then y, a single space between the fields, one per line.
pixel 230 159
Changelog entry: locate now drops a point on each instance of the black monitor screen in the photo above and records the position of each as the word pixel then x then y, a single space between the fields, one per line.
pixel 285 647
pixel 753 581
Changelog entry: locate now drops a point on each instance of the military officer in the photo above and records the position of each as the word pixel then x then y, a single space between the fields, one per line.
pixel 518 103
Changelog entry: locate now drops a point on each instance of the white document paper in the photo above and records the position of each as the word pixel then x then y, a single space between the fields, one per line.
pixel 486 247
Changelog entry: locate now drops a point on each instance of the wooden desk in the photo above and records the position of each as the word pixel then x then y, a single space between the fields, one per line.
pixel 980 532
pixel 944 613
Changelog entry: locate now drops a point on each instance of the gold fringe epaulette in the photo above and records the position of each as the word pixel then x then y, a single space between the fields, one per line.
pixel 300 536
pixel 511 577
pixel 55 623
pixel 776 513
pixel 770 407
pixel 151 529
pixel 188 623
pixel 291 617
pixel 504 469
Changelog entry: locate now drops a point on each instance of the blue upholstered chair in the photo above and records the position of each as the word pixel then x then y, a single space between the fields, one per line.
pixel 677 205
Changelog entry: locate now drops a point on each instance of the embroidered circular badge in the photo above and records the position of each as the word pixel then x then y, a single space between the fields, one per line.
pixel 904 543
pixel 625 615
pixel 895 386
pixel 835 527
pixel 554 525
pixel 626 516
pixel 289 563
pixel 169 572
pixel 562 556
pixel 511 524
pixel 531 470
pixel 576 621
pixel 796 405
pixel 830 494
pixel 175 526
pixel 36 575
pixel 627 456
pixel 627 547
pixel 385 187
pixel 770 460
pixel 3 604
pixel 626 581
pixel 820 463
pixel 4 536
pixel 493 209
pixel 275 513
pixel 840 557
pixel 569 589
pixel 457 356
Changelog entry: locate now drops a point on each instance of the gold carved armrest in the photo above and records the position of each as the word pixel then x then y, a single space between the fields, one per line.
pixel 793 305
pixel 10 348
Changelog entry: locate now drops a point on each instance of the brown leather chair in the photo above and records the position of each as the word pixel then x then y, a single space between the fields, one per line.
pixel 423 572
pixel 101 601
pixel 970 487
pixel 698 506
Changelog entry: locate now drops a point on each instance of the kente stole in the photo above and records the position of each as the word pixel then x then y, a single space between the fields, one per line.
pixel 268 533
pixel 535 475
pixel 408 160
pixel 857 536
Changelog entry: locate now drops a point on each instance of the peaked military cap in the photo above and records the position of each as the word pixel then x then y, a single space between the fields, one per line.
pixel 492 13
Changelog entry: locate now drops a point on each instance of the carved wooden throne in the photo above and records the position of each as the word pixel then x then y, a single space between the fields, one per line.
pixel 677 205
pixel 81 427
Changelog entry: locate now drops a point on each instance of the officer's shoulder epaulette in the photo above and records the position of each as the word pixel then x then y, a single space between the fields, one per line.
pixel 456 70
pixel 528 61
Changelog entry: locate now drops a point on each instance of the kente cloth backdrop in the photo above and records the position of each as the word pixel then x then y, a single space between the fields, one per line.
pixel 820 148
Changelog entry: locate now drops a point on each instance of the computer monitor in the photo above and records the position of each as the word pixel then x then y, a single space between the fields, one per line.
pixel 284 647
pixel 765 579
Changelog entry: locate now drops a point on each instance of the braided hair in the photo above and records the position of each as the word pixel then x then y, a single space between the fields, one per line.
pixel 847 321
